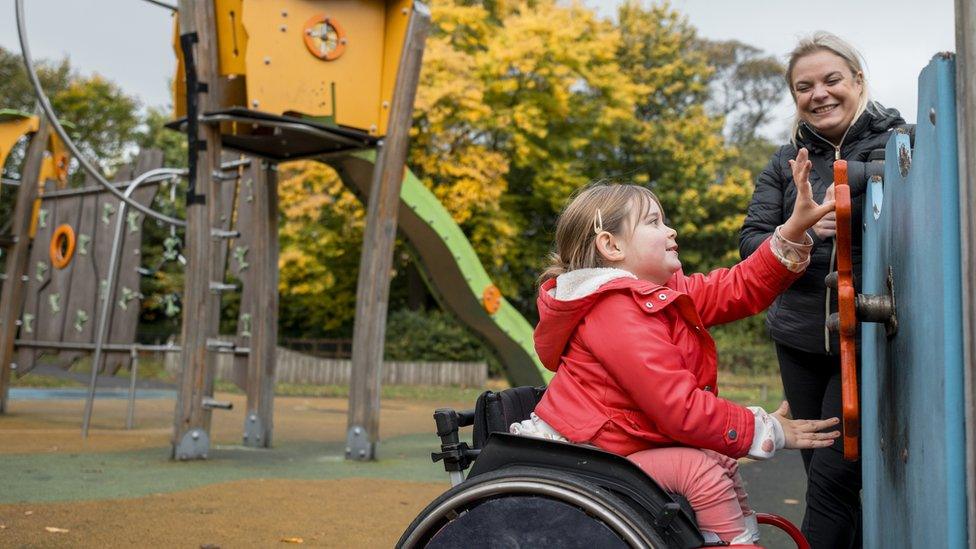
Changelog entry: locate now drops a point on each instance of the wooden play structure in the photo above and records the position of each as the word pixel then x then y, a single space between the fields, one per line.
pixel 258 83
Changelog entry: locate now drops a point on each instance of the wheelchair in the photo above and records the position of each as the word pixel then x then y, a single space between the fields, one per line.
pixel 528 492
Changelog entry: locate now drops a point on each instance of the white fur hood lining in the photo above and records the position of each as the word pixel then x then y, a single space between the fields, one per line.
pixel 583 282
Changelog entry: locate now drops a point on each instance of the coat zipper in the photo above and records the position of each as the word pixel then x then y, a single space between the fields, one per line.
pixel 833 249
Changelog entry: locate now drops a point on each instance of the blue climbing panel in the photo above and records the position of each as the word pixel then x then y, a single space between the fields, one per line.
pixel 913 447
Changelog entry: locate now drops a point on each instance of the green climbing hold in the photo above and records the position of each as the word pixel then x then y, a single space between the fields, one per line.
pixel 108 209
pixel 132 219
pixel 246 325
pixel 81 317
pixel 26 322
pixel 239 253
pixel 83 241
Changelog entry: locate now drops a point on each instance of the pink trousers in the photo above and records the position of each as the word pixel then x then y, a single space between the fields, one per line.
pixel 708 480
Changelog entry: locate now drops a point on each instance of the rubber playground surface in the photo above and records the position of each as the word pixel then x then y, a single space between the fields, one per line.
pixel 119 488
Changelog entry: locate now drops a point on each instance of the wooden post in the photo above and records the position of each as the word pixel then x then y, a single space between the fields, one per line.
pixel 201 307
pixel 966 132
pixel 263 297
pixel 12 291
pixel 373 289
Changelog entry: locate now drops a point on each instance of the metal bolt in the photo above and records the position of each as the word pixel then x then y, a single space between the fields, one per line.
pixel 252 418
pixel 356 430
pixel 194 435
pixel 386 104
pixel 372 128
pixel 245 436
pixel 267 60
pixel 343 41
pixel 13 366
pixel 254 103
pixel 362 453
pixel 283 28
pixel 932 115
pixel 348 450
pixel 405 11
pixel 284 13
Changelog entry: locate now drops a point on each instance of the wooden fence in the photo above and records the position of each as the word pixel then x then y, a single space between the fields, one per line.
pixel 300 368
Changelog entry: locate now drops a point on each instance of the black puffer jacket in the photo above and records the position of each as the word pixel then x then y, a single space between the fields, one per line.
pixel 797 316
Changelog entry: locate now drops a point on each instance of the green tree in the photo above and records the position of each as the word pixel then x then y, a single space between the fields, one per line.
pixel 102 116
pixel 674 145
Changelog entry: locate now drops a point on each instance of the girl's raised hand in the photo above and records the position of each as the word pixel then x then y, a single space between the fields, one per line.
pixel 806 211
pixel 803 434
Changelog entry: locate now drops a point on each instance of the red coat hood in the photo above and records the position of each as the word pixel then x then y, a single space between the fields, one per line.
pixel 558 318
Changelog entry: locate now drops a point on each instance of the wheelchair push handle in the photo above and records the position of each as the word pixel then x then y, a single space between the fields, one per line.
pixel 457 455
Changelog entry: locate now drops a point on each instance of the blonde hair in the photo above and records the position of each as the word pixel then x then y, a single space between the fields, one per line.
pixel 600 207
pixel 825 41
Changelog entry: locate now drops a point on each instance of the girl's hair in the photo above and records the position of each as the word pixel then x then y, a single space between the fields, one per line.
pixel 825 41
pixel 599 207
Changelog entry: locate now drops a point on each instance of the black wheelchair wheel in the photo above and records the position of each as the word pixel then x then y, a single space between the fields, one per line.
pixel 529 507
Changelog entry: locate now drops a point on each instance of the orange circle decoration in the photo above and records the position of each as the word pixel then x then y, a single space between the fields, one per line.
pixel 62 247
pixel 324 37
pixel 491 299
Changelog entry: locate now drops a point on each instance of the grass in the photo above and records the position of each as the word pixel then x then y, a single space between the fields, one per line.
pixel 744 388
pixel 400 392
pixel 44 382
pixel 764 390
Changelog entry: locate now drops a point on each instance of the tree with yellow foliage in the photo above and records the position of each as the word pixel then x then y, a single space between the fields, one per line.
pixel 520 105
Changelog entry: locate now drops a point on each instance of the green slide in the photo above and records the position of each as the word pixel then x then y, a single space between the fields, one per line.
pixel 452 269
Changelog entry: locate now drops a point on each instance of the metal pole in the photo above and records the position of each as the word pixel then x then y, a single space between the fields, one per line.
pixel 45 104
pixel 108 299
pixel 966 134
pixel 133 374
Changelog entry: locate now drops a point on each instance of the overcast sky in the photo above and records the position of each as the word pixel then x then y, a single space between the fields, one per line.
pixel 129 41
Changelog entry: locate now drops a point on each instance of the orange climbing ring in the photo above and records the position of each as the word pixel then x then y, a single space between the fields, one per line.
pixel 62 246
pixel 491 299
pixel 324 37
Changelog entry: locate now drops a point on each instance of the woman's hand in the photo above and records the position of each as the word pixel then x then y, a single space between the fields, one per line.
pixel 803 434
pixel 806 212
pixel 827 226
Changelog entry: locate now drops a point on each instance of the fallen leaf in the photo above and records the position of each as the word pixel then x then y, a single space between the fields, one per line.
pixel 292 540
pixel 3 526
pixel 54 530
pixel 790 501
pixel 28 513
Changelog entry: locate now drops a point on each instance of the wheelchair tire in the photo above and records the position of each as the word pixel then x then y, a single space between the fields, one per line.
pixel 552 509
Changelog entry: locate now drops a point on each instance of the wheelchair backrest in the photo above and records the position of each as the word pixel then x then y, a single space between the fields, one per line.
pixel 496 411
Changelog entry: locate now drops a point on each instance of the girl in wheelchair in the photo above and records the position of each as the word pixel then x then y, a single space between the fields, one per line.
pixel 625 332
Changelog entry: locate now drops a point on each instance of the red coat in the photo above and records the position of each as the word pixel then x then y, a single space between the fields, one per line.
pixel 635 365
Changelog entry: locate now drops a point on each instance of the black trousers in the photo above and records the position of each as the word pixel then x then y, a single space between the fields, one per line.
pixel 833 514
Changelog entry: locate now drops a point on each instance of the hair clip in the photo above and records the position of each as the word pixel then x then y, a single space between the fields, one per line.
pixel 598 222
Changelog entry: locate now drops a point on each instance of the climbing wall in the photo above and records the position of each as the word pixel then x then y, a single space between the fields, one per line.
pixel 63 304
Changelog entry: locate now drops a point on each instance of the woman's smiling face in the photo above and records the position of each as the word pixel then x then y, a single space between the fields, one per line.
pixel 826 93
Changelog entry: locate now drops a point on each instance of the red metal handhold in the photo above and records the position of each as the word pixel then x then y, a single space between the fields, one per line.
pixel 850 408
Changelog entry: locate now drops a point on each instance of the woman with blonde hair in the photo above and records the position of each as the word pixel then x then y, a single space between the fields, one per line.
pixel 835 119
